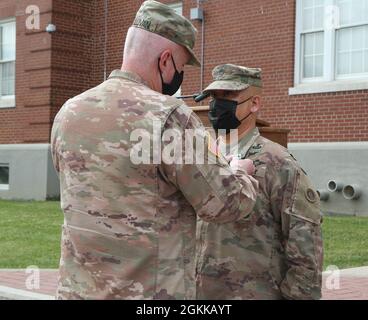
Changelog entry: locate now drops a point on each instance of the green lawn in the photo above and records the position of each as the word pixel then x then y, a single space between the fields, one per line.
pixel 30 235
pixel 345 241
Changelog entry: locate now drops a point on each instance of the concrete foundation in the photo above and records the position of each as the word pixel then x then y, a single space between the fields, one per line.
pixel 344 165
pixel 31 172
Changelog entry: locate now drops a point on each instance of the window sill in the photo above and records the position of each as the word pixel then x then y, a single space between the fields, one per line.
pixel 7 102
pixel 4 187
pixel 333 86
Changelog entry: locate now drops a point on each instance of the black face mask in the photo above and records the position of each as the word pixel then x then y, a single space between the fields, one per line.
pixel 174 85
pixel 222 114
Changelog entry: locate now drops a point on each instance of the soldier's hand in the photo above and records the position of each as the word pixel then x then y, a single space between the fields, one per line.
pixel 245 164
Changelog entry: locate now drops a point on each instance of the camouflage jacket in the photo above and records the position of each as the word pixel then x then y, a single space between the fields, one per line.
pixel 277 251
pixel 129 229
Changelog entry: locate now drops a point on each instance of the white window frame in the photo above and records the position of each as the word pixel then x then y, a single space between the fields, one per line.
pixel 7 101
pixel 329 82
pixel 5 187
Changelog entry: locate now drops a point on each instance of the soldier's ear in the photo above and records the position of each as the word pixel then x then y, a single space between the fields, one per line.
pixel 256 104
pixel 165 57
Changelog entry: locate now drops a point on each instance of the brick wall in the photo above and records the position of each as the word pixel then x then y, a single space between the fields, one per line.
pixel 29 122
pixel 260 34
pixel 252 33
pixel 72 50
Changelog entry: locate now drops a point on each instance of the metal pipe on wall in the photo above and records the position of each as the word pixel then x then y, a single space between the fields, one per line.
pixel 334 186
pixel 352 192
pixel 323 195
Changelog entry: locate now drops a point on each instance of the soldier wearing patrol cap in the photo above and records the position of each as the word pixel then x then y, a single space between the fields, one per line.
pixel 129 228
pixel 276 252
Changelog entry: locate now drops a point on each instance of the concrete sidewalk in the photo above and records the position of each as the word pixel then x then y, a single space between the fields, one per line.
pixel 347 284
pixel 15 286
pixel 353 285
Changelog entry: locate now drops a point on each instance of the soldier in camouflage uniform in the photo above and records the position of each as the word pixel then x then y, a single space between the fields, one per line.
pixel 129 228
pixel 276 252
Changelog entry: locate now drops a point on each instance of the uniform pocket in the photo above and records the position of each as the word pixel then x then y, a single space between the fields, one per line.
pixel 305 202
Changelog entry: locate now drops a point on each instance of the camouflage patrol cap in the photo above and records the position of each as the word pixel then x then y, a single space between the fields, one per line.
pixel 159 18
pixel 231 77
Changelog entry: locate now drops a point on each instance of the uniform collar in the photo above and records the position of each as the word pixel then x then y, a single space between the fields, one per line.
pixel 245 143
pixel 128 75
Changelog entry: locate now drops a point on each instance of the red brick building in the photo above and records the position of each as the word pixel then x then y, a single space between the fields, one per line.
pixel 314 56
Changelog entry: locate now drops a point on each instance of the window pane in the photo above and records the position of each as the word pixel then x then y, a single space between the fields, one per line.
pixel 308 3
pixel 315 41
pixel 357 10
pixel 319 17
pixel 344 7
pixel 357 62
pixel 309 44
pixel 318 43
pixel 358 38
pixel 351 50
pixel 313 44
pixel 313 14
pixel 308 19
pixel 308 67
pixel 343 63
pixel 344 39
pixel 4 174
pixel 318 66
pixel 8 41
pixel 8 78
pixel 353 11
pixel 366 61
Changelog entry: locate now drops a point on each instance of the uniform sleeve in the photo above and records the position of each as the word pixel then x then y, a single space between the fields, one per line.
pixel 299 211
pixel 54 144
pixel 216 193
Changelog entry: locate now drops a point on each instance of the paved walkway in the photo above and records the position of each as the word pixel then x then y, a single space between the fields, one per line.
pixel 353 284
pixel 18 284
pixel 347 284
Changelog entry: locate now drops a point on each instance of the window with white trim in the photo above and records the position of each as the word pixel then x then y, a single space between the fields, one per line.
pixel 331 45
pixel 7 63
pixel 4 176
pixel 178 7
pixel 352 39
